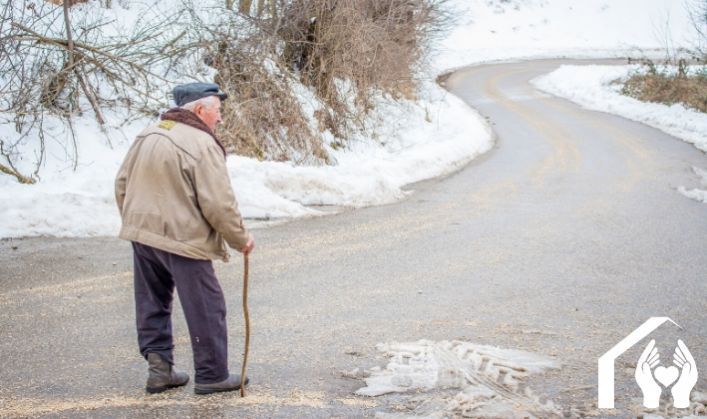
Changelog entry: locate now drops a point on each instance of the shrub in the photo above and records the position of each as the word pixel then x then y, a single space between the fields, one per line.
pixel 659 85
pixel 374 44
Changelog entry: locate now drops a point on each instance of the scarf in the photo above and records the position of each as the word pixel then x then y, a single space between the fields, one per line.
pixel 189 118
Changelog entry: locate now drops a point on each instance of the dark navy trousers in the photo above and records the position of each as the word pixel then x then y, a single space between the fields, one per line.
pixel 157 273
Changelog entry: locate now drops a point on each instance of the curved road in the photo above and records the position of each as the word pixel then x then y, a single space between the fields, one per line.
pixel 561 240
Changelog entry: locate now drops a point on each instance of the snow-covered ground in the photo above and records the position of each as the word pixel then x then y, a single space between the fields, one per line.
pixel 413 141
pixel 598 87
pixel 500 30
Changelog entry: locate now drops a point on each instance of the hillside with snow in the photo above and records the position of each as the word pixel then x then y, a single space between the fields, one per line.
pixel 493 30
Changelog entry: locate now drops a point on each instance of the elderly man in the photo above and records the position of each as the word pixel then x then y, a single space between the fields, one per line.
pixel 178 208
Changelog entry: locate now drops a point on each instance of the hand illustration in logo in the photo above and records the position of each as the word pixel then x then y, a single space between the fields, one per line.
pixel 683 359
pixel 682 376
pixel 644 376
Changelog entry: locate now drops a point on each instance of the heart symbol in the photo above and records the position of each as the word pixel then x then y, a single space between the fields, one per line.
pixel 666 376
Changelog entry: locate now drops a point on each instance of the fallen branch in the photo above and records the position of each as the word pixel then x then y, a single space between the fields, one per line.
pixel 19 176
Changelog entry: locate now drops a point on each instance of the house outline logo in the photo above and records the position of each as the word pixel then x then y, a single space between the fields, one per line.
pixel 606 361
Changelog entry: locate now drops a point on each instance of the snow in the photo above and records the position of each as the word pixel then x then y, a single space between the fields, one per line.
pixel 368 173
pixel 66 202
pixel 405 143
pixel 506 30
pixel 488 381
pixel 443 379
pixel 696 193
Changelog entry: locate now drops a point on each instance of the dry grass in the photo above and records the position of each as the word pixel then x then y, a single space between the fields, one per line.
pixel 262 118
pixel 342 49
pixel 681 87
pixel 374 44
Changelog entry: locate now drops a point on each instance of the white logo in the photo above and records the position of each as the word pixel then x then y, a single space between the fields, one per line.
pixel 682 376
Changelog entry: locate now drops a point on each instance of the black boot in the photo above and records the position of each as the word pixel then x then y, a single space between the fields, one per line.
pixel 232 383
pixel 162 376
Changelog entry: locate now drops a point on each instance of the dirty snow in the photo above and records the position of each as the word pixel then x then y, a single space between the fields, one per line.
pixel 443 379
pixel 485 381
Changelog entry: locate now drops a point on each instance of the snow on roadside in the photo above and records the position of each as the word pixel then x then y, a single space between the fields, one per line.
pixel 696 193
pixel 65 202
pixel 415 141
pixel 487 381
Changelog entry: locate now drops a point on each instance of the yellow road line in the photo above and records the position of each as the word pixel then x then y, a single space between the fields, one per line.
pixel 565 156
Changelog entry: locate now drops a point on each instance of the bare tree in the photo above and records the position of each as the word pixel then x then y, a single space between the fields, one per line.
pixel 48 71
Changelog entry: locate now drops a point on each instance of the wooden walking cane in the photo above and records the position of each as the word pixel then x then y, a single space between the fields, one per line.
pixel 247 322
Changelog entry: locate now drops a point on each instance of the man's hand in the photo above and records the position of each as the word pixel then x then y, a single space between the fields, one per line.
pixel 249 246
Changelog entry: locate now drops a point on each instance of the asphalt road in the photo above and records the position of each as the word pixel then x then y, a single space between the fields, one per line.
pixel 561 240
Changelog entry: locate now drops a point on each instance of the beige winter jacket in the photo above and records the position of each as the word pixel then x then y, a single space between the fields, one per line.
pixel 174 193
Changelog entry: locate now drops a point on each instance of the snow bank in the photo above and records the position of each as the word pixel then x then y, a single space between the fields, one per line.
pixel 65 202
pixel 415 141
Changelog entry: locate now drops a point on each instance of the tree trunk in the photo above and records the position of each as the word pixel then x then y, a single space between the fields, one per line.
pixel 244 6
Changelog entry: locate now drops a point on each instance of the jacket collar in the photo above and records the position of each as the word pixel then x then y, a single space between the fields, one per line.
pixel 189 118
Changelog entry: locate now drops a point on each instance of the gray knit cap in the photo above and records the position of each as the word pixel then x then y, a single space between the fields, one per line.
pixel 185 93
